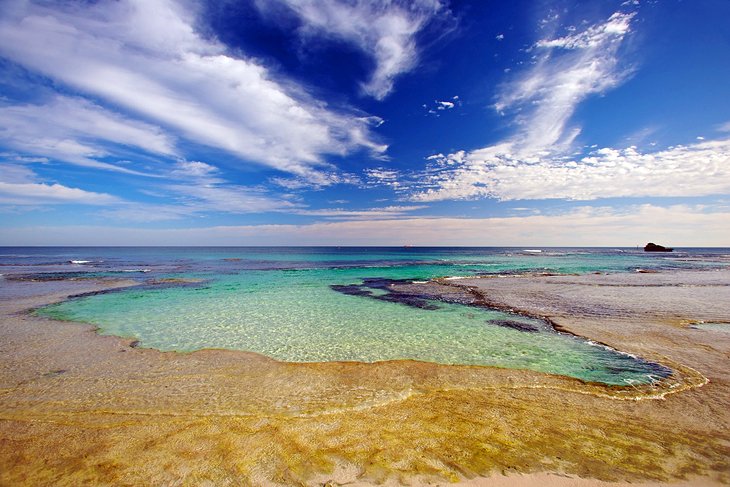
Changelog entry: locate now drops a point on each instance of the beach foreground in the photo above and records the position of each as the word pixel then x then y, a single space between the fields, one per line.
pixel 76 407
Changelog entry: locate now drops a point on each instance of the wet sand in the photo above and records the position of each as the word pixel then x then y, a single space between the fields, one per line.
pixel 79 408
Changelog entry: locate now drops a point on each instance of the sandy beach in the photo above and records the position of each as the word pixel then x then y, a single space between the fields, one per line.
pixel 80 408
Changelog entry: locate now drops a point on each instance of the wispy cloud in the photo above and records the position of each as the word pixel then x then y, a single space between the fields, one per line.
pixel 442 105
pixel 196 189
pixel 567 71
pixel 19 186
pixel 382 177
pixel 383 29
pixel 74 130
pixel 150 59
pixel 194 169
pixel 316 181
pixel 229 198
pixel 539 161
pixel 16 173
pixel 386 212
pixel 678 225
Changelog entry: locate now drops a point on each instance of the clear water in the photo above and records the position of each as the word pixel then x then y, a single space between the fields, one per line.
pixel 278 302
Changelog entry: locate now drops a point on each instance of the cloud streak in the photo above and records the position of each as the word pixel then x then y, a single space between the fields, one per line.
pixel 196 189
pixel 386 212
pixel 385 30
pixel 150 59
pixel 74 130
pixel 679 225
pixel 18 186
pixel 567 71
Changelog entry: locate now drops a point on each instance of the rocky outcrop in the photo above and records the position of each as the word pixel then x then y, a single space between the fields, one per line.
pixel 652 247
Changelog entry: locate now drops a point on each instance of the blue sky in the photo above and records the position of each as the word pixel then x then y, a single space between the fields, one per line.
pixel 323 122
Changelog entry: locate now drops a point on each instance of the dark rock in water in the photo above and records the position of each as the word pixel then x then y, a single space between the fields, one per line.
pixel 411 300
pixel 50 276
pixel 351 289
pixel 515 325
pixel 652 247
pixel 382 284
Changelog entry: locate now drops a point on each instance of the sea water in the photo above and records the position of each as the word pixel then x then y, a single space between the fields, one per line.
pixel 284 303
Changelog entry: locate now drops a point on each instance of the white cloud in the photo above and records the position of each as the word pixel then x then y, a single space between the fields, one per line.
pixel 229 198
pixel 595 36
pixel 317 181
pixel 11 156
pixel 567 71
pixel 697 169
pixel 35 193
pixel 147 212
pixel 183 201
pixel 196 189
pixel 201 190
pixel 194 169
pixel 386 212
pixel 538 161
pixel 18 186
pixel 15 173
pixel 678 226
pixel 442 105
pixel 382 177
pixel 383 29
pixel 77 131
pixel 150 59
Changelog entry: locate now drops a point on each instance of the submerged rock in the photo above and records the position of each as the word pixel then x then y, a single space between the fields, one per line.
pixel 515 325
pixel 413 300
pixel 351 289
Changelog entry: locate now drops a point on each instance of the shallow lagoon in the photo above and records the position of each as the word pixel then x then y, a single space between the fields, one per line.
pixel 280 304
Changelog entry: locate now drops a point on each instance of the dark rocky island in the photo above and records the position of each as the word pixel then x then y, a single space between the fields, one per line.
pixel 652 247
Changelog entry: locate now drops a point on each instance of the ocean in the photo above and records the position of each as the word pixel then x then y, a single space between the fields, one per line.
pixel 313 304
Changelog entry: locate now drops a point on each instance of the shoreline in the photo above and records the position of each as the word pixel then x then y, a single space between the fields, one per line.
pixel 306 391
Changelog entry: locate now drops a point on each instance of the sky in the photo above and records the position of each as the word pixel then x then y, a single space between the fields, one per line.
pixel 356 122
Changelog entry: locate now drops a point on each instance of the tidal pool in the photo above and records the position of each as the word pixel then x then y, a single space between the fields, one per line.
pixel 302 315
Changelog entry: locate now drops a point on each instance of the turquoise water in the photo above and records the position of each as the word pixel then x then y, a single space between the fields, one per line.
pixel 279 302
